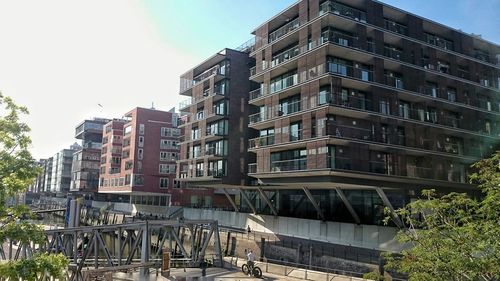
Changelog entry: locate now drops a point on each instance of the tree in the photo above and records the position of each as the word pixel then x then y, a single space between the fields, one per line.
pixel 453 237
pixel 17 171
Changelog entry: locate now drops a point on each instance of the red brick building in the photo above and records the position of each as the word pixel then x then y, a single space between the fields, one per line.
pixel 139 156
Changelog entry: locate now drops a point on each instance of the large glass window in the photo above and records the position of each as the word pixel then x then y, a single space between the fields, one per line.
pixel 284 81
pixel 324 95
pixel 266 137
pixel 289 105
pixel 289 160
pixel 217 148
pixel 220 108
pixel 296 131
pixel 339 66
pixel 219 128
pixel 404 109
pixel 221 87
pixel 217 168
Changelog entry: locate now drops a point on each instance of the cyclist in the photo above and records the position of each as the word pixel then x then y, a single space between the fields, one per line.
pixel 250 262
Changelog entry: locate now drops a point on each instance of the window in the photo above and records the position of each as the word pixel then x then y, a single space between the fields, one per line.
pixel 196 151
pixel 324 95
pixel 452 95
pixel 220 108
pixel 404 109
pixel 163 156
pixel 385 107
pixel 401 136
pixel 217 148
pixel 164 144
pixel 141 129
pixel 284 81
pixel 339 66
pixel 217 168
pixel 219 128
pixel 164 182
pixel 129 165
pixel 288 160
pixel 296 131
pixel 289 105
pixel 128 130
pixel 167 169
pixel 221 87
pixel 431 89
pixel 115 160
pixel 141 141
pixel 195 133
pixel 140 153
pixel 199 169
pixel 266 137
pixel 170 132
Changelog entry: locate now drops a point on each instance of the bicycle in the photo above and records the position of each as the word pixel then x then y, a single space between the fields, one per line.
pixel 256 271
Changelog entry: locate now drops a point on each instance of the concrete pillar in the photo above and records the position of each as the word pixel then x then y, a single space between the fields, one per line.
pixel 145 248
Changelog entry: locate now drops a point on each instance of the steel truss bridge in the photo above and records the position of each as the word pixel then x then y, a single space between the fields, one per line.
pixel 108 248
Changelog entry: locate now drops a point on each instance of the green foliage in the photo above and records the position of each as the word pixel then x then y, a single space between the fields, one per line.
pixel 33 269
pixel 453 237
pixel 17 171
pixel 374 275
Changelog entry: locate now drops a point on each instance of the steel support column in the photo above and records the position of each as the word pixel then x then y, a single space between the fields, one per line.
pixel 314 203
pixel 348 205
pixel 230 200
pixel 247 200
pixel 268 202
pixel 388 204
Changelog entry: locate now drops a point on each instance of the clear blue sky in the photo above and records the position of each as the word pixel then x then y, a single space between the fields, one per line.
pixel 202 28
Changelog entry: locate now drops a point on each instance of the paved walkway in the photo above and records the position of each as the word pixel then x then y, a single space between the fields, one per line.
pixel 234 273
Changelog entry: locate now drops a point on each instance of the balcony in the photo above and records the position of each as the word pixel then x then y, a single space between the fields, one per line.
pixel 343 10
pixel 395 27
pixel 284 30
pixel 253 71
pixel 285 56
pixel 289 165
pixel 261 141
pixel 257 93
pixel 187 84
pixel 394 81
pixel 185 103
pixel 215 151
pixel 393 53
pixel 350 71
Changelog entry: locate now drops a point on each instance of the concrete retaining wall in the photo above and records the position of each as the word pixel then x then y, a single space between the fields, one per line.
pixel 363 236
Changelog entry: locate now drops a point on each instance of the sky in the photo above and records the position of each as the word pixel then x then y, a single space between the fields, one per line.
pixel 68 61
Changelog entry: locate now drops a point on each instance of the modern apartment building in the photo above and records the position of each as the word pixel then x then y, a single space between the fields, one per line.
pixel 39 184
pixel 86 161
pixel 213 149
pixel 60 178
pixel 138 157
pixel 47 175
pixel 361 105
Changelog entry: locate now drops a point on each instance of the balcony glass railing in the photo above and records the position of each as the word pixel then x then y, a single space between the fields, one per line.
pixel 218 131
pixel 185 103
pixel 253 71
pixel 285 56
pixel 289 165
pixel 252 168
pixel 261 141
pixel 343 10
pixel 393 53
pixel 395 27
pixel 286 82
pixel 350 71
pixel 393 81
pixel 284 30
